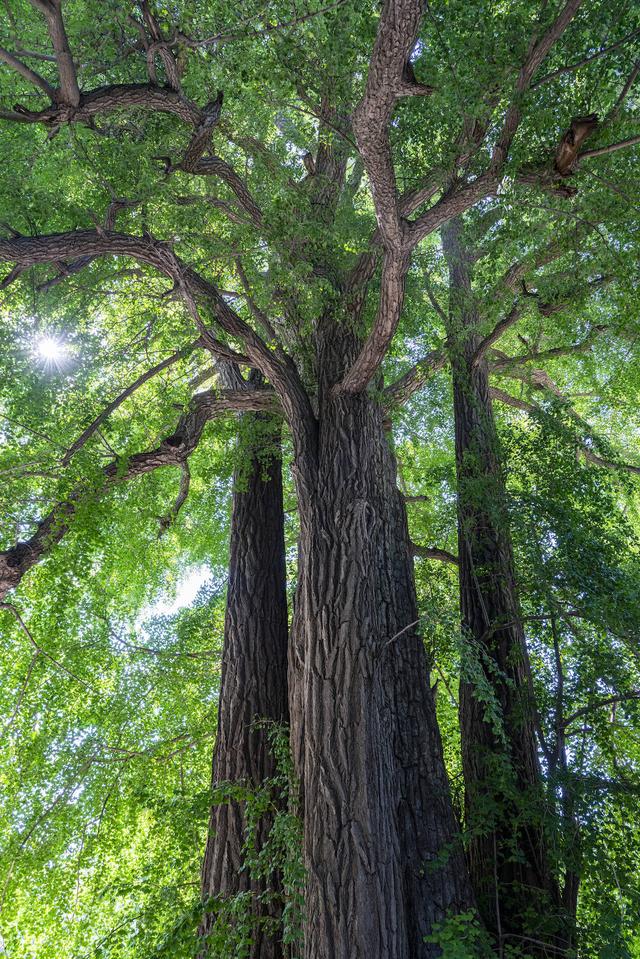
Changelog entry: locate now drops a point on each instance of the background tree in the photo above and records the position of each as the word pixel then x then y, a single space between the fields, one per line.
pixel 503 782
pixel 253 695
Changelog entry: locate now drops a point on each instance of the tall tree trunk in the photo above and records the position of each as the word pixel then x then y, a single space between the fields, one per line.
pixel 377 810
pixel 513 879
pixel 253 685
pixel 570 825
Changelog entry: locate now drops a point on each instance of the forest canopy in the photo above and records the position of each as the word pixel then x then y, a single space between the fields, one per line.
pixel 320 464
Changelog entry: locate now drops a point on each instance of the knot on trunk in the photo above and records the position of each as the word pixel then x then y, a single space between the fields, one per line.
pixel 175 440
pixel 15 557
pixel 567 154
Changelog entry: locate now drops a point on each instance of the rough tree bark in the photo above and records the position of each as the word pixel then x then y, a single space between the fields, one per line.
pixel 253 685
pixel 376 800
pixel 510 868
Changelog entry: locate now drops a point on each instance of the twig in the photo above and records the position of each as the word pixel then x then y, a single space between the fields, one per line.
pixel 23 690
pixel 15 613
pixel 608 701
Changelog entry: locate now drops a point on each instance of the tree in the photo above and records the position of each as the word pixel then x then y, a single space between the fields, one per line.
pixel 503 778
pixel 253 689
pixel 318 323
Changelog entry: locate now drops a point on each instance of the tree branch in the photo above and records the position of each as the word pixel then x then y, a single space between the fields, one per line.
pixel 159 46
pixel 610 148
pixel 183 493
pixel 599 703
pixel 16 709
pixel 67 269
pixel 216 166
pixel 501 361
pixel 394 271
pixel 459 198
pixel 571 67
pixel 509 400
pixel 119 400
pixel 538 50
pixel 173 450
pixel 631 79
pixel 108 99
pixel 10 608
pixel 512 279
pixel 258 313
pixel 397 31
pixel 12 61
pixel 69 92
pixel 402 390
pixel 499 330
pixel 278 367
pixel 432 552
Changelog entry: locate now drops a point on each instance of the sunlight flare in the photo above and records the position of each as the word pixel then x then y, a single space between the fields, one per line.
pixel 52 352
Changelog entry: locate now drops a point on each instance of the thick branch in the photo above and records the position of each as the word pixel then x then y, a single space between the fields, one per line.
pixel 568 152
pixel 69 93
pixel 537 52
pixel 276 366
pixel 454 202
pixel 12 61
pixel 174 450
pixel 414 379
pixel 499 330
pixel 200 142
pixel 119 400
pixel 108 99
pixel 216 166
pixel 75 266
pixel 432 552
pixel 509 400
pixel 161 47
pixel 27 251
pixel 397 30
pixel 365 266
pixel 394 271
pixel 461 197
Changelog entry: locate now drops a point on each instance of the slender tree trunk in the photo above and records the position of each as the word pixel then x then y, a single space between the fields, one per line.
pixel 504 809
pixel 377 810
pixel 254 683
pixel 571 832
